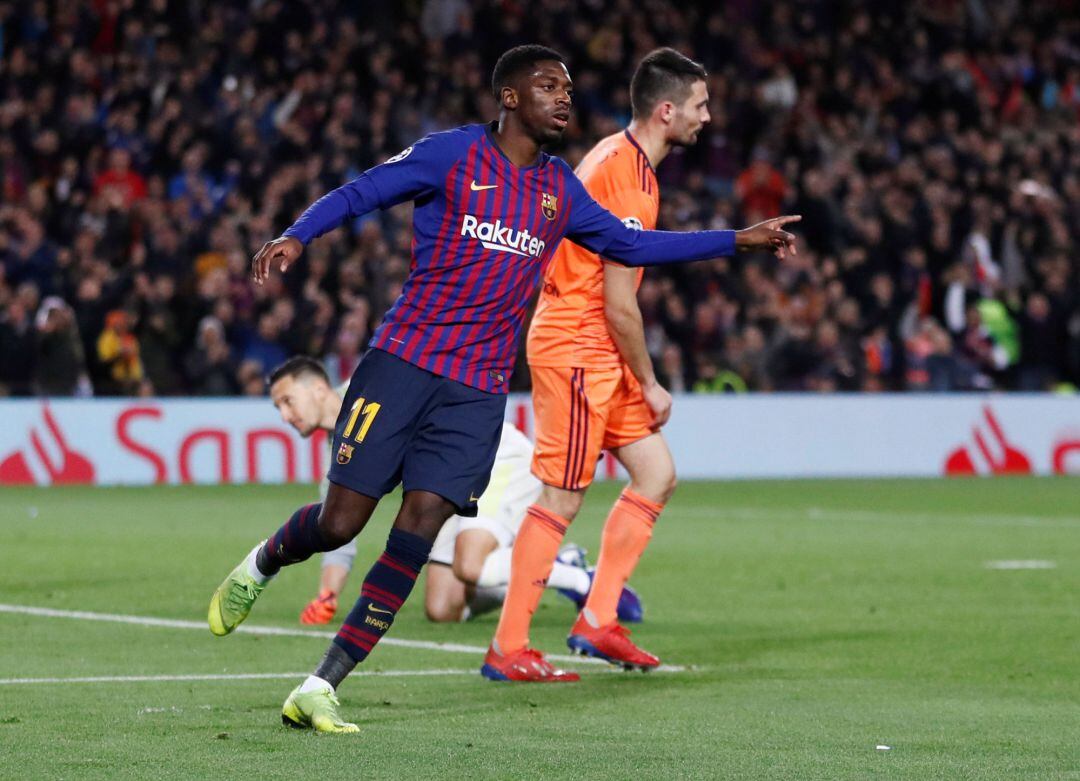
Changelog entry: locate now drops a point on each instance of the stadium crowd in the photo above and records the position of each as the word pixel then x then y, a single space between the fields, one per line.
pixel 149 147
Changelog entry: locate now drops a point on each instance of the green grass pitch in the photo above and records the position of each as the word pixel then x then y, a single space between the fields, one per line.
pixel 817 620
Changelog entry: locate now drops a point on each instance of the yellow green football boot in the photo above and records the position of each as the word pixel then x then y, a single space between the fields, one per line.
pixel 233 599
pixel 317 710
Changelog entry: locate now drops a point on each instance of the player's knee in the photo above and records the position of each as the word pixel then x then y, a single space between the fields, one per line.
pixel 468 570
pixel 563 503
pixel 657 487
pixel 423 514
pixel 336 528
pixel 441 612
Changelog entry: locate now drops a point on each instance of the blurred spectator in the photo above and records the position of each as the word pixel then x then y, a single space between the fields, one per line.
pixel 118 182
pixel 348 348
pixel 263 347
pixel 671 372
pixel 31 257
pixel 929 360
pixel 18 347
pixel 160 336
pixel 1040 345
pixel 118 354
pixel 60 364
pixel 878 358
pixel 836 360
pixel 251 378
pixel 978 355
pixel 761 189
pixel 209 366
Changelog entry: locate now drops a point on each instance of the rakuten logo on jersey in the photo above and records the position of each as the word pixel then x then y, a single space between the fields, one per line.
pixel 496 236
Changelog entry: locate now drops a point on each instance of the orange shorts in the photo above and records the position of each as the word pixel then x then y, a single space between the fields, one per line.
pixel 578 413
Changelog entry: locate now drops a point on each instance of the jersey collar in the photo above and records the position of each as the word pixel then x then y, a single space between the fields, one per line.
pixel 489 131
pixel 637 146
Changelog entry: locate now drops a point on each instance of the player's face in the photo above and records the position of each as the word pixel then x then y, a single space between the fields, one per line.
pixel 298 403
pixel 544 101
pixel 691 116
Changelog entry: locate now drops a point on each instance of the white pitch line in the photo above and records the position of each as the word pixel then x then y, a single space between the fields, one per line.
pixel 280 631
pixel 220 677
pixel 1021 564
pixel 251 629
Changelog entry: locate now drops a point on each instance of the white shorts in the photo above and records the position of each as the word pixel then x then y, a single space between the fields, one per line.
pixel 502 506
pixel 341 557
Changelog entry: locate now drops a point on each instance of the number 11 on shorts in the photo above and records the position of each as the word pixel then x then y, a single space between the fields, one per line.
pixel 369 412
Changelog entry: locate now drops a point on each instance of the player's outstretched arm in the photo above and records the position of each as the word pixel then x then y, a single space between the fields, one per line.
pixel 658 248
pixel 597 229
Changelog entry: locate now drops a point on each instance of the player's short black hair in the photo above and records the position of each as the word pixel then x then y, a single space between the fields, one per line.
pixel 514 61
pixel 664 74
pixel 299 366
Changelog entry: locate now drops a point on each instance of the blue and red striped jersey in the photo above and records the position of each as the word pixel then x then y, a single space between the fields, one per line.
pixel 483 232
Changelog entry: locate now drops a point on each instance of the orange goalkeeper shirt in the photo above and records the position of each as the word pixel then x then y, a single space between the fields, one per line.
pixel 569 327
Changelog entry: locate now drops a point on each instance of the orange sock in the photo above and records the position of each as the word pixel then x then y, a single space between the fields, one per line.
pixel 535 549
pixel 627 531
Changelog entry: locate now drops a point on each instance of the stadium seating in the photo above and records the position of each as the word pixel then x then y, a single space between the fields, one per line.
pixel 147 151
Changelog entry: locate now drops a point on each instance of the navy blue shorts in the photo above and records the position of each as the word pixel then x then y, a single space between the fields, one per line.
pixel 403 424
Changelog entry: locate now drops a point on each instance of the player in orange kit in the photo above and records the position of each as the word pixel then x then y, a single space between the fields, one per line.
pixel 594 388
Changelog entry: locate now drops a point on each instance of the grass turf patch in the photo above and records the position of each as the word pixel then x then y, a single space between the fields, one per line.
pixel 820 619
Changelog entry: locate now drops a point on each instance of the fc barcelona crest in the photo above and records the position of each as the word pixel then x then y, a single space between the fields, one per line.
pixel 344 453
pixel 549 205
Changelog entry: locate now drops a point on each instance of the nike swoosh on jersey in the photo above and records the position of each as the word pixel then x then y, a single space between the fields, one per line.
pixel 478 187
pixel 374 609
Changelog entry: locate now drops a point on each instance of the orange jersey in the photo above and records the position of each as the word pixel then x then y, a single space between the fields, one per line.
pixel 569 328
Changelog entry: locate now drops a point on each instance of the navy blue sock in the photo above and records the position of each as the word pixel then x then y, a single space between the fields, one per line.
pixel 386 587
pixel 294 542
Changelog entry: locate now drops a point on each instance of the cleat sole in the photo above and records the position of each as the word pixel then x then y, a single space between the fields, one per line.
pixel 492 674
pixel 582 647
pixel 318 726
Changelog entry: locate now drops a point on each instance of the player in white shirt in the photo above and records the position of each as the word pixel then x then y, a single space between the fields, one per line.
pixel 469 564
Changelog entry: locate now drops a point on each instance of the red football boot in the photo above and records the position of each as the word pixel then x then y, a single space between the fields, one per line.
pixel 526 665
pixel 321 609
pixel 611 643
